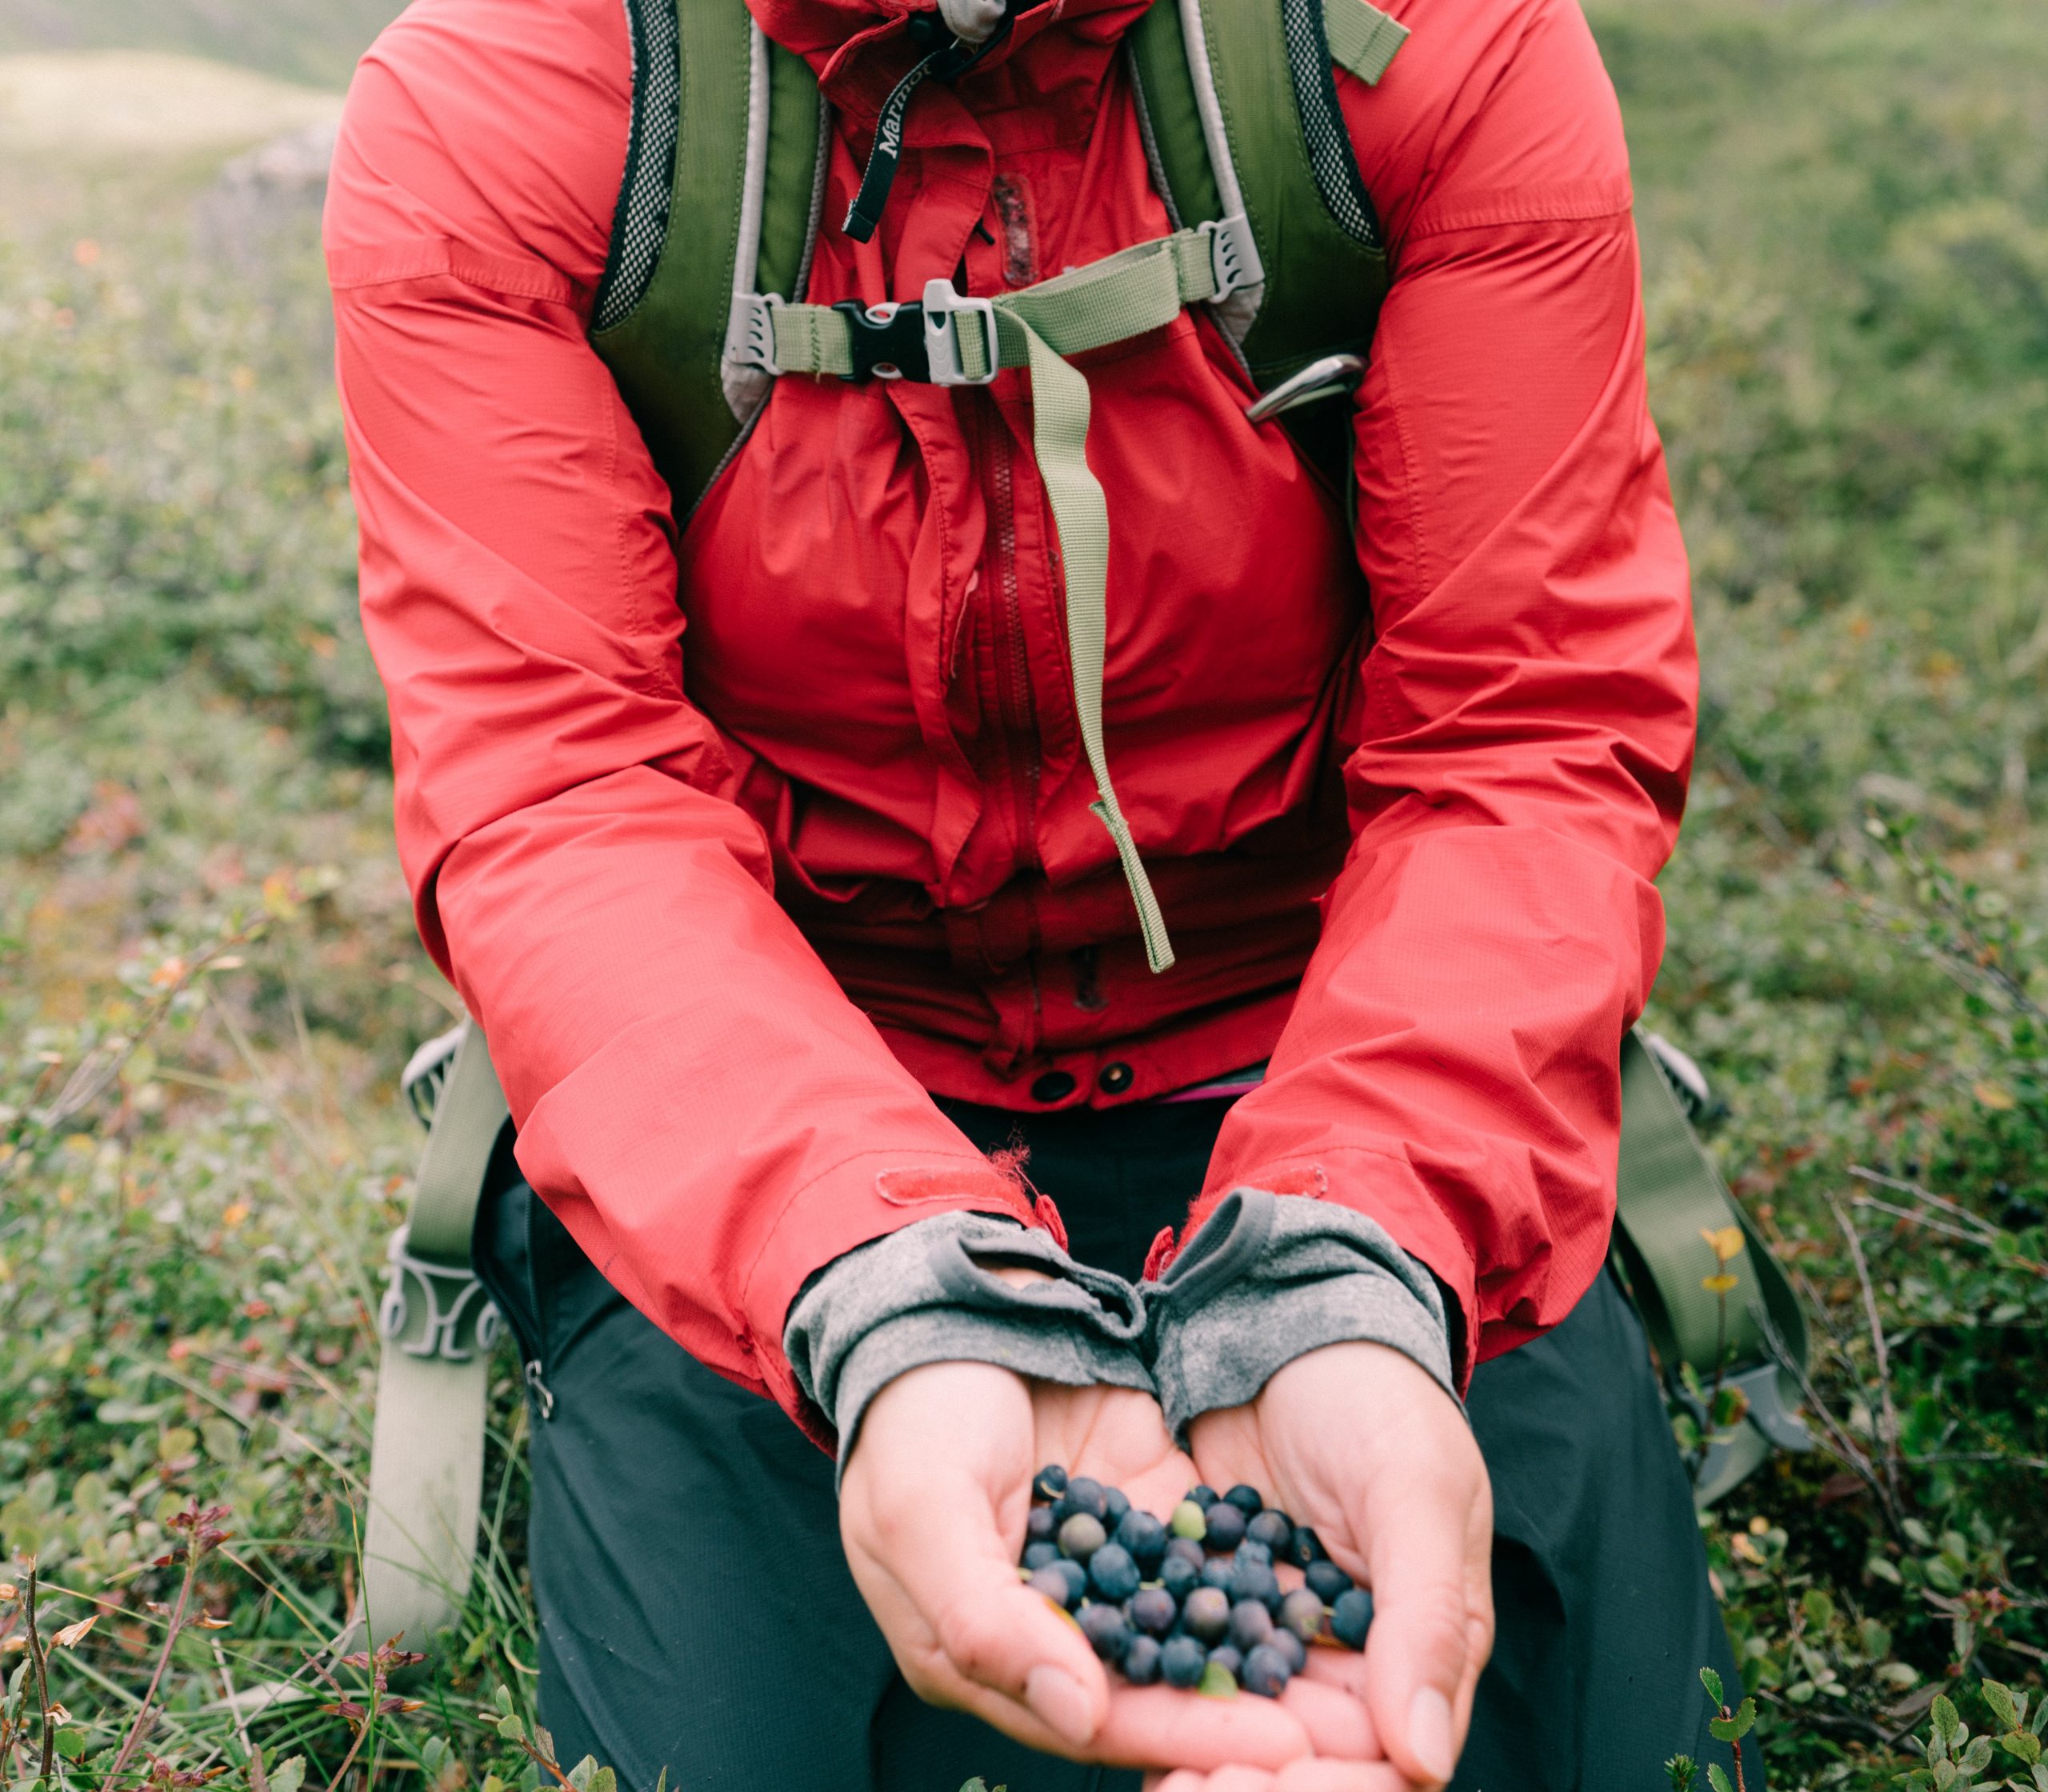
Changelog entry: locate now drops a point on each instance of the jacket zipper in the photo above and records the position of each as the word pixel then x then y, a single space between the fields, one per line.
pixel 1013 665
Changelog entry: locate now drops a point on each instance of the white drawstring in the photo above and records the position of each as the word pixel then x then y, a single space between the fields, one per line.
pixel 972 21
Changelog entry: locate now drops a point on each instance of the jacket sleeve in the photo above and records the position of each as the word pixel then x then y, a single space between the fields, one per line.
pixel 694 1095
pixel 1451 1066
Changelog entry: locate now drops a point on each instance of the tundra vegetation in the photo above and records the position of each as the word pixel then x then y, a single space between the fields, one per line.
pixel 208 978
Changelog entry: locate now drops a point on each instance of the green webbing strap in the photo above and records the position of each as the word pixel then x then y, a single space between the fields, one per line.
pixel 439 1326
pixel 1363 38
pixel 1140 289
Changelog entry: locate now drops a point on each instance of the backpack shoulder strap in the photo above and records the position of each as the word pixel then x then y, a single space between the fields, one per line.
pixel 1239 103
pixel 718 203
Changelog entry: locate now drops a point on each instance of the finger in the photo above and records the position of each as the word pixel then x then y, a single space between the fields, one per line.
pixel 1339 1776
pixel 1344 1669
pixel 1335 1719
pixel 1240 1779
pixel 1419 1653
pixel 1181 1779
pixel 1158 1726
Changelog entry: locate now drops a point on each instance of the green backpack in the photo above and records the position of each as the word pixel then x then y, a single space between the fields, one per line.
pixel 700 309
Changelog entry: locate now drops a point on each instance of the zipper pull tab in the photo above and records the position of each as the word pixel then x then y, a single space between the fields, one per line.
pixel 543 1396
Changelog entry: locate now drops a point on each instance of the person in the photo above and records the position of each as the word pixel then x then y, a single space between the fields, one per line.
pixel 756 832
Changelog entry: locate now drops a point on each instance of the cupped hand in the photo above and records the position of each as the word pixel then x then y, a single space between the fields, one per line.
pixel 932 1509
pixel 1358 1442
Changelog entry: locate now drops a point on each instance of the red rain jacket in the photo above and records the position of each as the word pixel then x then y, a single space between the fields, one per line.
pixel 740 838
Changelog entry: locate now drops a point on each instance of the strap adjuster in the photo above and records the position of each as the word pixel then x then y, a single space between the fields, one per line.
pixel 1233 254
pixel 942 305
pixel 750 331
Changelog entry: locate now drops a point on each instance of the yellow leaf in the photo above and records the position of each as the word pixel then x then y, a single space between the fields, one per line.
pixel 1992 1096
pixel 1718 1284
pixel 1725 1242
pixel 73 1634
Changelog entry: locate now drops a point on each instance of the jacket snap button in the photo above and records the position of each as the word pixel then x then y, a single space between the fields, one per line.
pixel 1054 1086
pixel 1114 1079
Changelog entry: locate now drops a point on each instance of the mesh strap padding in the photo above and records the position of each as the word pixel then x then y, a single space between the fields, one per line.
pixel 1323 132
pixel 641 225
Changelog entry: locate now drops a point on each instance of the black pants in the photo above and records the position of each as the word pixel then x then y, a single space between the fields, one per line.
pixel 696 1613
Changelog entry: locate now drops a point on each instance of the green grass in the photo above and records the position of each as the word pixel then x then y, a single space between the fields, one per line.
pixel 1846 264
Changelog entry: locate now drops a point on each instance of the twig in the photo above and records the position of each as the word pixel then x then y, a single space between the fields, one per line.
pixel 1912 1218
pixel 1888 1420
pixel 141 1724
pixel 1841 1444
pixel 248 1749
pixel 1863 1174
pixel 39 1657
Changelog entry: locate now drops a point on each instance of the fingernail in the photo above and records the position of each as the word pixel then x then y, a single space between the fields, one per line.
pixel 1429 1734
pixel 1060 1701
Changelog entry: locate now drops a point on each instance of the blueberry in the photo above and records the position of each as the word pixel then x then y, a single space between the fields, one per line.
pixel 1081 1535
pixel 1179 1577
pixel 1225 1527
pixel 1249 1551
pixel 1141 1661
pixel 1116 1506
pixel 1253 1580
pixel 1105 1631
pixel 1112 1575
pixel 1266 1672
pixel 1231 1661
pixel 1040 1555
pixel 1145 1537
pixel 1038 1528
pixel 1205 1614
pixel 1054 1583
pixel 1050 1482
pixel 1292 1646
pixel 1327 1580
pixel 1188 1522
pixel 1273 1529
pixel 1304 1548
pixel 1082 1495
pixel 1077 1581
pixel 1351 1617
pixel 1250 1623
pixel 1188 1550
pixel 1245 1499
pixel 1152 1611
pixel 1202 1494
pixel 1217 1571
pixel 1301 1615
pixel 1181 1661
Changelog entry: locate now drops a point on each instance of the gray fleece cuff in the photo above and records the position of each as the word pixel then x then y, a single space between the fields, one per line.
pixel 1269 1279
pixel 919 1296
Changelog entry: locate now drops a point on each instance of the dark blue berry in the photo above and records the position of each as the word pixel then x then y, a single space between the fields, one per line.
pixel 1251 1624
pixel 1040 1555
pixel 1292 1646
pixel 1081 1535
pixel 1273 1529
pixel 1105 1631
pixel 1249 1551
pixel 1202 1494
pixel 1179 1577
pixel 1181 1661
pixel 1301 1615
pixel 1116 1505
pixel 1050 1482
pixel 1305 1548
pixel 1217 1571
pixel 1082 1495
pixel 1253 1580
pixel 1265 1672
pixel 1077 1580
pixel 1188 1550
pixel 1152 1611
pixel 1226 1527
pixel 1245 1499
pixel 1231 1661
pixel 1327 1580
pixel 1141 1661
pixel 1205 1614
pixel 1038 1528
pixel 1351 1617
pixel 1112 1575
pixel 1145 1537
pixel 1054 1583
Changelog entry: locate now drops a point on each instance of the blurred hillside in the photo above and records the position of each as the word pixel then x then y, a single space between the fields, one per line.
pixel 316 42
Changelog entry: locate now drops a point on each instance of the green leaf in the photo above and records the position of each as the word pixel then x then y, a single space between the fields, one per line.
pixel 502 1698
pixel 288 1776
pixel 1218 1681
pixel 1711 1680
pixel 977 1784
pixel 1716 1778
pixel 1735 1729
pixel 2023 1747
pixel 71 1744
pixel 1978 1756
pixel 1947 1723
pixel 2000 1699
pixel 1819 1608
pixel 604 1780
pixel 511 1730
pixel 544 1741
pixel 585 1770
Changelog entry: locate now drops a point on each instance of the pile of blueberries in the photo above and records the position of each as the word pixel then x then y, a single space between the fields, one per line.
pixel 1193 1601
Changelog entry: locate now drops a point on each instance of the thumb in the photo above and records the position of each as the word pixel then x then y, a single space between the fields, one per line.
pixel 1420 1651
